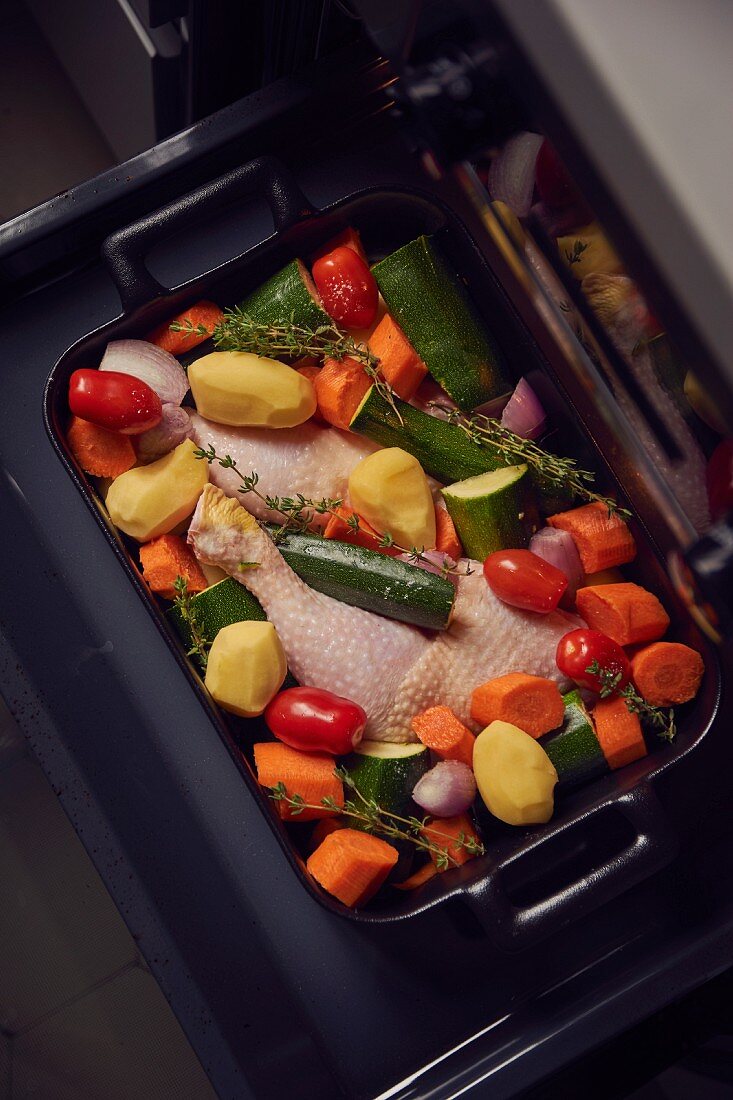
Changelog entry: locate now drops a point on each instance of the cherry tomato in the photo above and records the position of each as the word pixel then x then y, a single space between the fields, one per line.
pixel 314 720
pixel 719 479
pixel 523 579
pixel 116 401
pixel 577 650
pixel 347 288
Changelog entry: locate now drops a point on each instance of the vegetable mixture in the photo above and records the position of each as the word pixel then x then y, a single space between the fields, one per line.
pixel 407 590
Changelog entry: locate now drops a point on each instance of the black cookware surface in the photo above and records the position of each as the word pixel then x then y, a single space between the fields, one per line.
pixel 278 995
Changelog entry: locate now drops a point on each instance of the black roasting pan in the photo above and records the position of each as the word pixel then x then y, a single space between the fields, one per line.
pixel 604 838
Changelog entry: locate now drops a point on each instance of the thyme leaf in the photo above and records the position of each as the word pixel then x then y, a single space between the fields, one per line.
pixel 200 644
pixel 660 719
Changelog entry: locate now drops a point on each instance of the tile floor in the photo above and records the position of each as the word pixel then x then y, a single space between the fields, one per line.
pixel 81 1018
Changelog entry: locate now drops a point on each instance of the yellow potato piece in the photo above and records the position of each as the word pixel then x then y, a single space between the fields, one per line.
pixel 245 390
pixel 246 667
pixel 591 252
pixel 152 500
pixel 390 490
pixel 514 775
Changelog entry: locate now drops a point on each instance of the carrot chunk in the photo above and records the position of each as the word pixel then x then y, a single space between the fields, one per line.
pixel 398 361
pixel 603 541
pixel 203 313
pixel 340 388
pixel 441 732
pixel 667 673
pixel 167 557
pixel 625 612
pixel 447 541
pixel 308 774
pixel 347 238
pixel 99 452
pixel 417 878
pixel 341 530
pixel 322 829
pixel 619 732
pixel 352 865
pixel 442 828
pixel 530 702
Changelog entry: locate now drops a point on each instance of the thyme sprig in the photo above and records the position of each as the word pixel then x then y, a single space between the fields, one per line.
pixel 572 255
pixel 200 644
pixel 374 819
pixel 660 719
pixel 298 512
pixel 561 472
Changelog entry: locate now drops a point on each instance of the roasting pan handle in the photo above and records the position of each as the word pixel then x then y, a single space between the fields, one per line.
pixel 515 927
pixel 125 251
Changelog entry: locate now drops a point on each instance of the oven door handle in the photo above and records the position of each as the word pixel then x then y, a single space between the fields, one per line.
pixel 515 926
pixel 125 251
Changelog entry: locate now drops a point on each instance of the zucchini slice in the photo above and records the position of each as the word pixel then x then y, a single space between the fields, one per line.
pixel 492 511
pixel 222 604
pixel 574 748
pixel 364 578
pixel 436 314
pixel 387 773
pixel 288 296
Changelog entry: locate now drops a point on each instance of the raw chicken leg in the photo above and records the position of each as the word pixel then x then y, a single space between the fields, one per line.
pixel 309 459
pixel 391 669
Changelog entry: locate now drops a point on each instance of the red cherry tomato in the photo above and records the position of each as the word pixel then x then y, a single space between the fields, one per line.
pixel 523 579
pixel 555 187
pixel 347 288
pixel 719 479
pixel 116 401
pixel 314 720
pixel 577 650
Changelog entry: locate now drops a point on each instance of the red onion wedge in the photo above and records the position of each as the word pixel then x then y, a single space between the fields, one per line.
pixel 174 427
pixel 523 413
pixel 447 789
pixel 158 368
pixel 557 548
pixel 511 176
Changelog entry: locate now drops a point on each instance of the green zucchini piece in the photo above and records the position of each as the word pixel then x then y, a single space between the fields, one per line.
pixel 364 578
pixel 222 604
pixel 288 296
pixel 436 314
pixel 387 773
pixel 493 511
pixel 574 748
pixel 443 450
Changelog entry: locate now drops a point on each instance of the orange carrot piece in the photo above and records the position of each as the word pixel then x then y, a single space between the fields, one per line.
pixel 441 732
pixel 625 612
pixel 340 388
pixel 443 827
pixel 447 541
pixel 398 361
pixel 417 878
pixel 99 452
pixel 347 238
pixel 352 865
pixel 167 557
pixel 667 673
pixel 203 313
pixel 530 702
pixel 338 528
pixel 603 541
pixel 619 732
pixel 308 774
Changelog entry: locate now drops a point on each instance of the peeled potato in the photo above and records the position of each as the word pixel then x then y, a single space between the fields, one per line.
pixel 246 667
pixel 514 775
pixel 152 500
pixel 390 490
pixel 245 390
